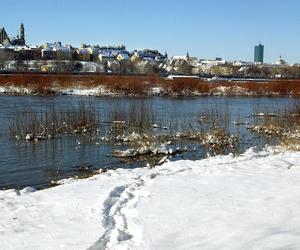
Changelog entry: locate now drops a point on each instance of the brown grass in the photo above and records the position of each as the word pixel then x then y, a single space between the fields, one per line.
pixel 140 85
pixel 52 122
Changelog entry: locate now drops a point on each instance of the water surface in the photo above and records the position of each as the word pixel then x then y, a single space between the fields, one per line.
pixel 36 164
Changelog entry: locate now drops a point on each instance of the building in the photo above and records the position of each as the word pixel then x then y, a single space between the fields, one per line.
pixel 6 54
pixel 259 54
pixel 15 41
pixel 280 62
pixel 20 39
pixel 105 58
pixel 22 53
pixel 147 55
pixel 57 51
pixel 83 54
pixel 4 39
pixel 123 56
pixel 63 52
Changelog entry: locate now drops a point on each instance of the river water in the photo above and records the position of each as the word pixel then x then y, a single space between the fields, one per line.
pixel 25 163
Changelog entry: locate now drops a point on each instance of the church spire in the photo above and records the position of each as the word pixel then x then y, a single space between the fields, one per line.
pixel 22 34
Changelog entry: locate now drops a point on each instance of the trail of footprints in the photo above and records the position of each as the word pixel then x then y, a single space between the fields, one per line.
pixel 114 217
pixel 117 207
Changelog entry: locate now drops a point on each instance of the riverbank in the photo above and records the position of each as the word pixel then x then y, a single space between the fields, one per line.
pixel 141 85
pixel 207 204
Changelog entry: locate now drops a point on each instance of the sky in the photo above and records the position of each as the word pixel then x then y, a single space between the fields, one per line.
pixel 204 28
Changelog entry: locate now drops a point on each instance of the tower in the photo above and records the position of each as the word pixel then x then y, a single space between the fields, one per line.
pixel 259 53
pixel 4 39
pixel 22 34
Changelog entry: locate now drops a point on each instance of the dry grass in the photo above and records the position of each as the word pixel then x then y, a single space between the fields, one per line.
pixel 43 83
pixel 52 122
pixel 280 124
pixel 141 84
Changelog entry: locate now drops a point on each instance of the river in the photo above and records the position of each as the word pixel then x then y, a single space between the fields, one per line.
pixel 32 164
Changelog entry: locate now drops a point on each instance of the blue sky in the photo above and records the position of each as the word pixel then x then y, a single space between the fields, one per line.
pixel 207 29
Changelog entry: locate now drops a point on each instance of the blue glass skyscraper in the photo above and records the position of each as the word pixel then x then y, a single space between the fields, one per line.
pixel 259 53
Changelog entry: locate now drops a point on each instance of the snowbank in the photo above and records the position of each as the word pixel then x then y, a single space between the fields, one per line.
pixel 233 90
pixel 97 91
pixel 14 90
pixel 80 91
pixel 225 202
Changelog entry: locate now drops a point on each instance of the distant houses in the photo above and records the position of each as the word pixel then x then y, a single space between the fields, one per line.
pixel 56 51
pixel 16 55
pixel 147 55
pixel 105 57
pixel 52 56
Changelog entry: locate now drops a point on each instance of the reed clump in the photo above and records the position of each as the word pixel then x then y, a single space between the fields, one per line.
pixel 218 141
pixel 52 122
pixel 139 116
pixel 283 125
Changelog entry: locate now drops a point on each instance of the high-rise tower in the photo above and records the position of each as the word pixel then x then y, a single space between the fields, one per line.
pixel 259 53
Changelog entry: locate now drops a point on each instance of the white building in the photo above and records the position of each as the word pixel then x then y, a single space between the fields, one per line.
pixel 280 62
pixel 56 50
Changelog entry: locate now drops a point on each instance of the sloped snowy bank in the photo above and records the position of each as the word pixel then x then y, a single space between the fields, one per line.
pixel 224 202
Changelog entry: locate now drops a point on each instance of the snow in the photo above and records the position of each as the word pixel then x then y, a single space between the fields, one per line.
pixel 15 90
pixel 250 205
pixel 234 90
pixel 172 77
pixel 64 217
pixel 96 91
pixel 224 202
pixel 92 67
pixel 80 91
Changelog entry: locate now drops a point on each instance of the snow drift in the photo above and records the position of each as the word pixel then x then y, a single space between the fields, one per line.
pixel 224 202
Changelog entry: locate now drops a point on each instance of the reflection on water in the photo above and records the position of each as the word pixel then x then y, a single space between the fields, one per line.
pixel 36 164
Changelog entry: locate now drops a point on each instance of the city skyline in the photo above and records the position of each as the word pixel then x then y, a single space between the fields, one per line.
pixel 206 30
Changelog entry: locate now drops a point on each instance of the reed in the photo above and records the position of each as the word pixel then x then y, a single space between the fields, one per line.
pixel 52 122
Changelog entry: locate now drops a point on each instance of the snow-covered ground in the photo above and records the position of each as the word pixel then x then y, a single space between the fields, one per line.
pixel 15 90
pixel 103 90
pixel 97 91
pixel 225 202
